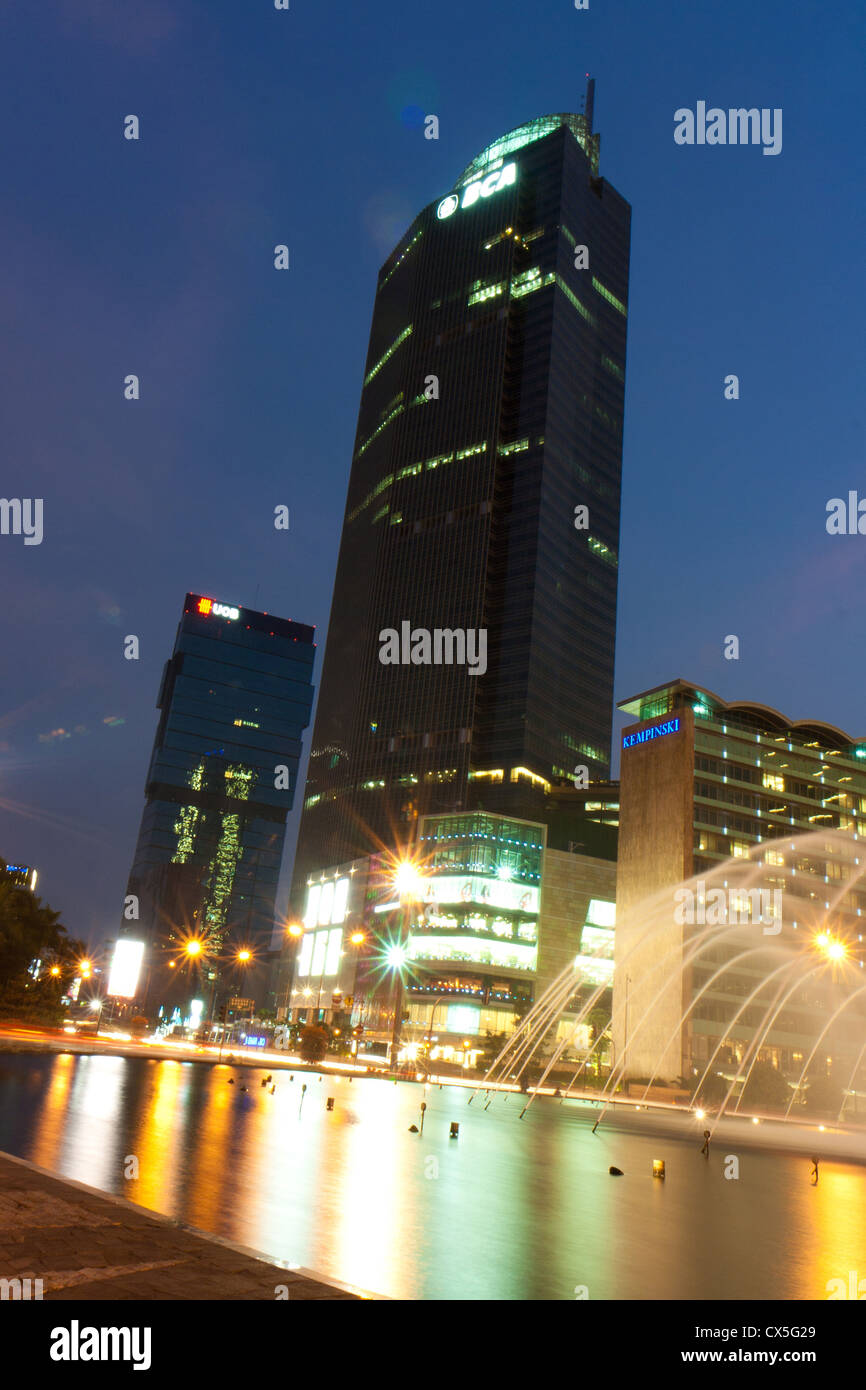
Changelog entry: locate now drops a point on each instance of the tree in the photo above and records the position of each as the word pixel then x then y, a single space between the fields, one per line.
pixel 489 1050
pixel 714 1088
pixel 767 1087
pixel 30 931
pixel 313 1042
pixel 824 1095
pixel 599 1020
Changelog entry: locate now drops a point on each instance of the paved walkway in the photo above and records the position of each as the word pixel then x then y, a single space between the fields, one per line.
pixel 83 1244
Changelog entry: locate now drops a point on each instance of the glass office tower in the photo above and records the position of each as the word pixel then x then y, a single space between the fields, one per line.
pixel 491 409
pixel 235 699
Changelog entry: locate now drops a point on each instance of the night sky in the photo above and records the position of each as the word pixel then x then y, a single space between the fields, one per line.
pixel 261 127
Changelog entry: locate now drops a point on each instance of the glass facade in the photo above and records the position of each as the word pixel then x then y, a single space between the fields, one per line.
pixel 476 931
pixel 235 699
pixel 491 408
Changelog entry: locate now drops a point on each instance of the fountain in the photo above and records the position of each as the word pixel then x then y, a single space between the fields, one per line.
pixel 754 963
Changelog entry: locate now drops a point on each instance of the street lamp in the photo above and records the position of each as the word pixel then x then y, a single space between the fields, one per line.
pixel 834 950
pixel 409 883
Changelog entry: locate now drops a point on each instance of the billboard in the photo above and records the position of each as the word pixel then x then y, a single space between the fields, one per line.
pixel 125 968
pixel 489 891
pixel 326 903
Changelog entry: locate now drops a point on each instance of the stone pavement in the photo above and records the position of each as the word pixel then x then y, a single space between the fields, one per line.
pixel 84 1244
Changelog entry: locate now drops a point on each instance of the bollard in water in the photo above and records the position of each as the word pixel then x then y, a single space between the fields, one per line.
pixel 658 1167
pixel 329 1103
pixel 423 1109
pixel 454 1131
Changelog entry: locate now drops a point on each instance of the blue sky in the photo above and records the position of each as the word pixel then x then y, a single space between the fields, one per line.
pixel 156 257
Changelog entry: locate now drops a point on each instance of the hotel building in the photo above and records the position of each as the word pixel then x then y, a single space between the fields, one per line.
pixel 722 794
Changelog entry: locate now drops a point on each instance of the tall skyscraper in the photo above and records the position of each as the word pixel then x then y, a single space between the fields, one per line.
pixel 235 699
pixel 491 413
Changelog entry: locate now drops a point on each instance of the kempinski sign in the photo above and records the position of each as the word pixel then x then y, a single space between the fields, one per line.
pixel 670 726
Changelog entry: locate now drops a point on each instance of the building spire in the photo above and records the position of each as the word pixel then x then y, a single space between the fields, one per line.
pixel 589 102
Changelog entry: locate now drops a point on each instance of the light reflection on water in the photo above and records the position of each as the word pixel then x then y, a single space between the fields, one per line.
pixel 510 1210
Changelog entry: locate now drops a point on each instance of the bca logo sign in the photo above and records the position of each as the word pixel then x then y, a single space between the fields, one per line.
pixel 482 188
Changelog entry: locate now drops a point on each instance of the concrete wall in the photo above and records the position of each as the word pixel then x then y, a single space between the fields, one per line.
pixel 568 883
pixel 655 855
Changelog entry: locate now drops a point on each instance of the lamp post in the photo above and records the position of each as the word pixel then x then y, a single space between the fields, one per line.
pixel 442 999
pixel 409 883
pixel 294 931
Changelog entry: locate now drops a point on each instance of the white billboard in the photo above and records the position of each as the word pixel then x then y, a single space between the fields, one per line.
pixel 491 892
pixel 125 968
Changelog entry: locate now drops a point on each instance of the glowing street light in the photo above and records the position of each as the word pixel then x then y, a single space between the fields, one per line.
pixel 357 938
pixel 834 950
pixel 410 885
pixel 244 956
pixel 408 880
pixel 86 969
pixel 193 948
pixel 396 956
pixel 295 929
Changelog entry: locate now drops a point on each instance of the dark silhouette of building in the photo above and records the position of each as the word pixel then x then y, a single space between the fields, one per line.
pixel 235 699
pixel 470 651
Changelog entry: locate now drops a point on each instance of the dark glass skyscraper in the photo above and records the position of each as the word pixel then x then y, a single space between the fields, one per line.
pixel 491 409
pixel 235 699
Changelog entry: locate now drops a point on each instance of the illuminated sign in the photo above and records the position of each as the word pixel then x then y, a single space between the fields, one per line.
pixel 491 892
pixel 670 726
pixel 206 606
pixel 447 206
pixel 326 903
pixel 510 955
pixel 601 913
pixel 321 953
pixel 481 188
pixel 125 968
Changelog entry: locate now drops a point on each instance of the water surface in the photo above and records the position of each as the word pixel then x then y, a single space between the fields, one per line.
pixel 511 1209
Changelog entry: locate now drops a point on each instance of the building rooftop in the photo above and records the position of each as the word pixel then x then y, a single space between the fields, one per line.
pixel 522 135
pixel 651 704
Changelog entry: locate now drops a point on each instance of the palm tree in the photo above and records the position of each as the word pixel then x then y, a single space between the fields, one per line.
pixel 29 930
